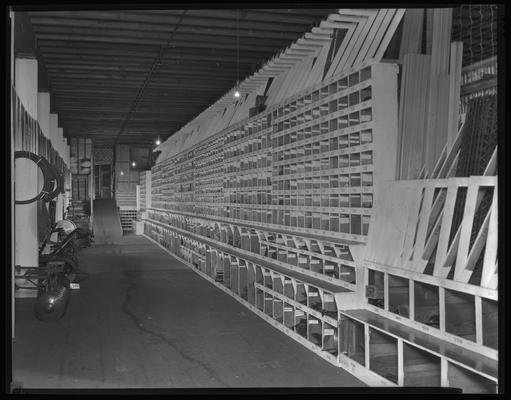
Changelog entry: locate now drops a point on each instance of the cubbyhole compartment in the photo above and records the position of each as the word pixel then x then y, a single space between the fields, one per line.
pixel 315 328
pixel 383 354
pixel 234 278
pixel 344 200
pixel 399 295
pixel 352 339
pixel 342 84
pixel 260 299
pixel 332 88
pixel 347 274
pixel 365 94
pixel 316 220
pixel 367 200
pixel 289 290
pixel 353 79
pixel 468 381
pixel 354 159
pixel 288 315
pixel 353 99
pixel 292 258
pixel 250 282
pixel 355 200
pixel 356 224
pixel 365 74
pixel 259 275
pixel 375 290
pixel 227 271
pixel 342 103
pixel 366 136
pixel 354 118
pixel 366 115
pixel 460 314
pixel 331 269
pixel 301 294
pixel 354 139
pixel 490 321
pixel 304 261
pixel 344 223
pixel 308 214
pixel 329 305
pixel 355 180
pixel 334 223
pixel 268 281
pixel 300 325
pixel 278 310
pixel 243 284
pixel 420 367
pixel 366 158
pixel 426 304
pixel 343 141
pixel 344 161
pixel 277 283
pixel 325 218
pixel 268 304
pixel 272 252
pixel 366 219
pixel 332 106
pixel 282 255
pixel 314 299
pixel 316 265
pixel 330 339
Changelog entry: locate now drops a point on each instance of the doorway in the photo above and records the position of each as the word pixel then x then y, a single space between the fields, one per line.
pixel 103 181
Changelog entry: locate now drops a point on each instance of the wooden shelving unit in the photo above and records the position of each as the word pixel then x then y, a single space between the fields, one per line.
pixel 275 210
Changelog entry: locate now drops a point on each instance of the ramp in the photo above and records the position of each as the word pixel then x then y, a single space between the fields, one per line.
pixel 106 222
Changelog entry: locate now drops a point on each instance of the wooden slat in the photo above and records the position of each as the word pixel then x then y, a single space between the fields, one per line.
pixel 418 263
pixel 491 168
pixel 454 90
pixel 445 230
pixel 466 230
pixel 342 48
pixel 366 35
pixel 396 19
pixel 411 38
pixel 362 55
pixel 489 277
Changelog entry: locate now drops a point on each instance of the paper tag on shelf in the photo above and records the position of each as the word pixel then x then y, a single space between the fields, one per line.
pixel 75 286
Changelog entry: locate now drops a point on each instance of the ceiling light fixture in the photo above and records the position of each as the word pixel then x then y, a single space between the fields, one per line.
pixel 133 164
pixel 158 142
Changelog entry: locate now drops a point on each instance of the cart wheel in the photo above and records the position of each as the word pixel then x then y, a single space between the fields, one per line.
pixel 51 304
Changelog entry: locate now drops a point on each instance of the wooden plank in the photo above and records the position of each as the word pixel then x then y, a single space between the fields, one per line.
pixel 466 230
pixel 412 221
pixel 491 168
pixel 478 244
pixel 341 65
pixel 420 242
pixel 340 51
pixel 389 34
pixel 316 73
pixel 362 55
pixel 366 36
pixel 489 273
pixel 445 230
pixel 411 38
pixel 454 90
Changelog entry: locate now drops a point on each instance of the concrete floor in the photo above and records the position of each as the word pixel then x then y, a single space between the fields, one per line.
pixel 144 320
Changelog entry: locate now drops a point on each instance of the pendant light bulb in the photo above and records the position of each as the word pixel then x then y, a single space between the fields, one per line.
pixel 158 142
pixel 133 164
pixel 237 94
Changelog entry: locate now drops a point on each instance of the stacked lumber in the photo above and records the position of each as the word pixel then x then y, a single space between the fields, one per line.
pixel 415 82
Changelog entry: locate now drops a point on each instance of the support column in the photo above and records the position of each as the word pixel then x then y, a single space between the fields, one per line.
pixel 26 178
pixel 59 214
